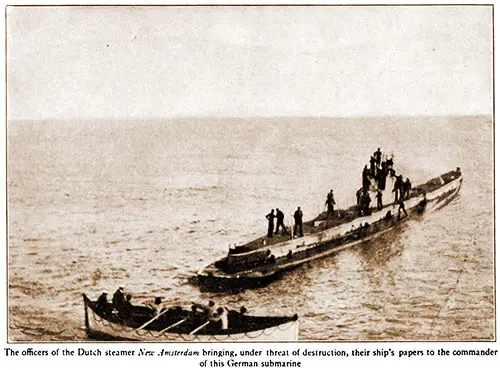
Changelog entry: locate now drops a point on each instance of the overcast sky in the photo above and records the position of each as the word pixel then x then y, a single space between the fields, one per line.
pixel 152 62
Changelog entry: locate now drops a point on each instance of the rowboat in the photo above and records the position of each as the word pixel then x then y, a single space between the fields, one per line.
pixel 264 260
pixel 143 325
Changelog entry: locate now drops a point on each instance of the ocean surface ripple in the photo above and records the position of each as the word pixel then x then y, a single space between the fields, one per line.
pixel 145 204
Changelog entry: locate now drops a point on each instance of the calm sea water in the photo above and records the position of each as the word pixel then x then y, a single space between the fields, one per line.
pixel 145 204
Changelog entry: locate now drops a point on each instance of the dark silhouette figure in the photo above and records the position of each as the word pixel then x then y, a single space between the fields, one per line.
pixel 298 222
pixel 421 205
pixel 156 306
pixel 365 204
pixel 128 308
pixel 398 188
pixel 270 227
pixel 378 156
pixel 381 177
pixel 280 217
pixel 102 304
pixel 372 166
pixel 384 166
pixel 401 183
pixel 366 181
pixel 401 208
pixel 119 299
pixel 407 188
pixel 359 194
pixel 390 163
pixel 379 200
pixel 330 202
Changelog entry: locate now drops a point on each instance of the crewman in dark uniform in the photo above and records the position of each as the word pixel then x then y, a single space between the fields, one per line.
pixel 381 177
pixel 330 201
pixel 298 222
pixel 366 204
pixel 379 200
pixel 401 207
pixel 407 188
pixel 359 194
pixel 398 188
pixel 372 166
pixel 378 156
pixel 401 186
pixel 280 217
pixel 422 204
pixel 366 181
pixel 270 227
pixel 390 162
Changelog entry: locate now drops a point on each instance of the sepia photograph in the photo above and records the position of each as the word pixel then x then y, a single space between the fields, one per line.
pixel 250 173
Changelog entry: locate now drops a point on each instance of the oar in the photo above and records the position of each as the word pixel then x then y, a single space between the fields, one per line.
pixel 173 325
pixel 199 328
pixel 150 321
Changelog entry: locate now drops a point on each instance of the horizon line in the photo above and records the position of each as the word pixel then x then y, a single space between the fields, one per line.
pixel 124 118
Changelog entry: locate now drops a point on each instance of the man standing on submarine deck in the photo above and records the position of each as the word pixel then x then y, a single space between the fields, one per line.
pixel 280 218
pixel 330 202
pixel 298 222
pixel 270 217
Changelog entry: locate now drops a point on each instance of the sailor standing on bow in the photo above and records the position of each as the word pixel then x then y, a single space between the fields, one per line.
pixel 270 217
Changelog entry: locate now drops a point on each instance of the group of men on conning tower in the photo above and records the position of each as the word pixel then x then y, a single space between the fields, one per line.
pixel 379 171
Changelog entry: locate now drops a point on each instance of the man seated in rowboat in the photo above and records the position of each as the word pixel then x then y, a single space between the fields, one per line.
pixel 174 315
pixel 219 320
pixel 202 312
pixel 119 299
pixel 130 311
pixel 102 304
pixel 156 305
pixel 127 308
pixel 201 315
